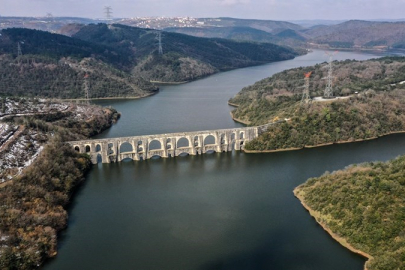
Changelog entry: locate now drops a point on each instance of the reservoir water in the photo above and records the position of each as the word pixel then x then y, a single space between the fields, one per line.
pixel 217 211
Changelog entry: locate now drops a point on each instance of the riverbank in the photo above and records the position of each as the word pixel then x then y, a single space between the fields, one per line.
pixel 236 119
pixel 233 104
pixel 377 50
pixel 168 83
pixel 112 98
pixel 319 145
pixel 239 120
pixel 318 217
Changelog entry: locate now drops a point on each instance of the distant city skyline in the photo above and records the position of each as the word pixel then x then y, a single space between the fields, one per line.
pixel 246 9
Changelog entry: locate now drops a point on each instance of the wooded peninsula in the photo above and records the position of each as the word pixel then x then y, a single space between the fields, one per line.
pixel 364 207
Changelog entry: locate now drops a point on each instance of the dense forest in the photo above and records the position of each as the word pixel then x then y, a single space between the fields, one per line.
pixel 33 205
pixel 364 116
pixel 32 209
pixel 365 205
pixel 284 37
pixel 56 66
pixel 42 43
pixel 264 100
pixel 184 57
pixel 39 76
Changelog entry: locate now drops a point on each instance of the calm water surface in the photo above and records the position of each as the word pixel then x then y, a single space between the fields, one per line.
pixel 218 211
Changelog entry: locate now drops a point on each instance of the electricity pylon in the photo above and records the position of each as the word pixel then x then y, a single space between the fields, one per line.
pixel 159 38
pixel 108 12
pixel 328 93
pixel 305 94
pixel 19 51
pixel 87 88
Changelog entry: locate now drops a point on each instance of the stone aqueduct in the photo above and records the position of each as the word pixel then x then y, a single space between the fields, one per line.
pixel 167 145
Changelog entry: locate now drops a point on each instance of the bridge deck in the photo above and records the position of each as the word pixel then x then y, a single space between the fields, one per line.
pixel 109 149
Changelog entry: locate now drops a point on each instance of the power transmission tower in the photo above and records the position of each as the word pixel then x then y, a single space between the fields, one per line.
pixel 108 12
pixel 159 38
pixel 328 93
pixel 19 51
pixel 305 94
pixel 87 88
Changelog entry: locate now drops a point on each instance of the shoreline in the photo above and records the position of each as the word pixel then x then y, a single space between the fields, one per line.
pixel 168 83
pixel 272 151
pixel 342 241
pixel 315 46
pixel 110 98
pixel 233 104
pixel 320 145
pixel 239 120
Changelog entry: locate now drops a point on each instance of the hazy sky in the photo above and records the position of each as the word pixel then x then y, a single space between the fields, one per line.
pixel 255 9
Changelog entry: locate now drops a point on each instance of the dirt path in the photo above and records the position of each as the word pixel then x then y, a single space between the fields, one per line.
pixel 16 134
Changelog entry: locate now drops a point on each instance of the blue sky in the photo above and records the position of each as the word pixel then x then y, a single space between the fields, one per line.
pixel 254 9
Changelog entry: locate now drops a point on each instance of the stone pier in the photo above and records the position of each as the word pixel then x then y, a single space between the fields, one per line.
pixel 167 145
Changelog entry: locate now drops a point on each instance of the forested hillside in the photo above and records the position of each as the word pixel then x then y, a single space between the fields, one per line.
pixel 116 60
pixel 56 46
pixel 265 25
pixel 377 109
pixel 56 66
pixel 34 200
pixel 38 76
pixel 356 34
pixel 364 116
pixel 353 34
pixel 285 37
pixel 268 98
pixel 364 206
pixel 184 57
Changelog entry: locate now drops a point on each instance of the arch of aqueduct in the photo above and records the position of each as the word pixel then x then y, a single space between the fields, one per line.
pixel 167 145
